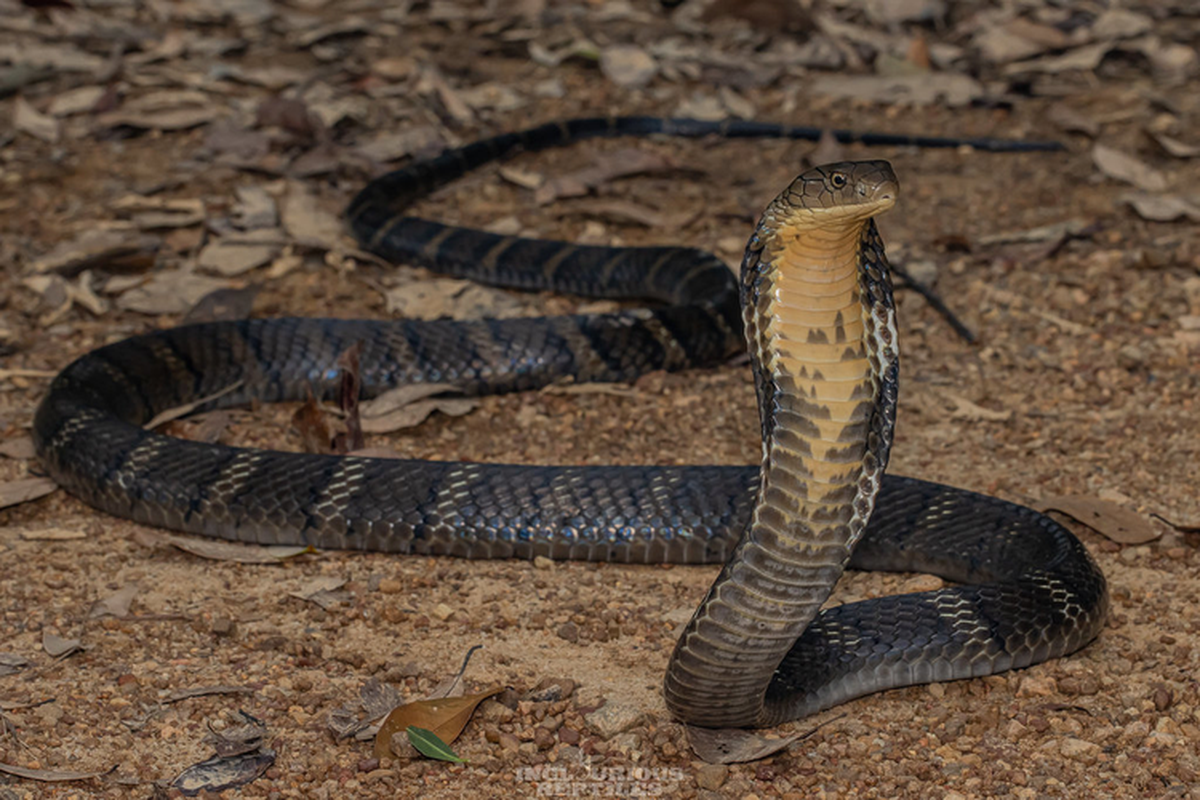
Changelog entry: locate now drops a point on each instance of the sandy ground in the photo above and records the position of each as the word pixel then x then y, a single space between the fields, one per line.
pixel 1086 363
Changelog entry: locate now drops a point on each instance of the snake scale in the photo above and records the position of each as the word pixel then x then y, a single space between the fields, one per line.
pixel 815 305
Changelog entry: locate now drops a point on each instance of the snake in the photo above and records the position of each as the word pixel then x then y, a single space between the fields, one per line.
pixel 813 307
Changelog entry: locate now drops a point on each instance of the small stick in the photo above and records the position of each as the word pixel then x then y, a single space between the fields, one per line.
pixel 931 297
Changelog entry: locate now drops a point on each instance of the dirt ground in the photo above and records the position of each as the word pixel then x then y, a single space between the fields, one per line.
pixel 166 126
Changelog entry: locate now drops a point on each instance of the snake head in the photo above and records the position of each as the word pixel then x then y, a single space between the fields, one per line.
pixel 830 196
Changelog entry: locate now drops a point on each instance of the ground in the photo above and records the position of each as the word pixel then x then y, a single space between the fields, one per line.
pixel 1082 382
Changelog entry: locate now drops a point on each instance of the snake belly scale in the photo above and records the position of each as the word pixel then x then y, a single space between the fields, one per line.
pixel 815 306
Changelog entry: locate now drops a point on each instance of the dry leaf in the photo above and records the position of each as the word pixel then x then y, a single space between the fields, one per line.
pixel 113 250
pixel 1174 147
pixel 1081 58
pixel 416 141
pixel 965 409
pixel 20 448
pixel 229 258
pixel 22 491
pixel 50 775
pixel 1072 121
pixel 1109 519
pixel 172 291
pixel 11 664
pixel 28 119
pixel 223 304
pixel 735 745
pixel 322 591
pixel 947 88
pixel 619 211
pixel 628 66
pixel 218 550
pixel 170 414
pixel 1124 167
pixel 51 534
pixel 607 167
pixel 311 422
pixel 408 406
pixel 205 691
pixel 1161 207
pixel 57 646
pixel 446 717
pixel 440 298
pixel 116 604
pixel 217 774
pixel 375 700
pixel 238 740
pixel 307 221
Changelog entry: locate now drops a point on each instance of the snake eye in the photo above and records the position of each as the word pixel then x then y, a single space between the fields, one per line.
pixel 838 180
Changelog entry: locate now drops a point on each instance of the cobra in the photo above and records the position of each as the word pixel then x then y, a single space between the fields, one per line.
pixel 814 305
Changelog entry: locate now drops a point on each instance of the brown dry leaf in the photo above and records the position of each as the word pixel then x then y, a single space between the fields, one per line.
pixel 62 58
pixel 1106 518
pixel 311 422
pixel 28 119
pixel 619 211
pixel 1068 119
pixel 50 775
pixel 51 534
pixel 218 550
pixel 205 691
pixel 171 119
pixel 408 406
pixel 1174 147
pixel 239 739
pixel 455 106
pixel 20 448
pixel 150 213
pixel 223 304
pixel 22 491
pixel 114 250
pixel 735 745
pixel 235 255
pixel 217 774
pixel 1120 23
pixel 182 411
pixel 947 88
pixel 965 409
pixel 322 591
pixel 521 177
pixel 416 141
pixel 209 427
pixel 440 298
pixel 116 604
pixel 11 664
pixel 1124 167
pixel 307 221
pixel 375 700
pixel 607 167
pixel 172 291
pixel 349 394
pixel 1081 58
pixel 6 373
pixel 1161 207
pixel 628 65
pixel 58 646
pixel 446 717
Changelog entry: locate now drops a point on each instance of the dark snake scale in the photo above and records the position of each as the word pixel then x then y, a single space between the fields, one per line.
pixel 815 305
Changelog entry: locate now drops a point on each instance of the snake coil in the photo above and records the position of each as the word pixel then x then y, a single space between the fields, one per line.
pixel 815 305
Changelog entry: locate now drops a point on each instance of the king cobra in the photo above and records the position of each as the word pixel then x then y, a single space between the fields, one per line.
pixel 815 305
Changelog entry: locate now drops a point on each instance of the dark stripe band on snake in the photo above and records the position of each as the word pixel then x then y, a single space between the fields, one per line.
pixel 814 305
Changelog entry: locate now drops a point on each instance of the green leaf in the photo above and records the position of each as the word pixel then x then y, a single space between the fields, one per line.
pixel 429 744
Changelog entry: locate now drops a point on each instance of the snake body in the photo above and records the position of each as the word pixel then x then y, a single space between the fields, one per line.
pixel 815 305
